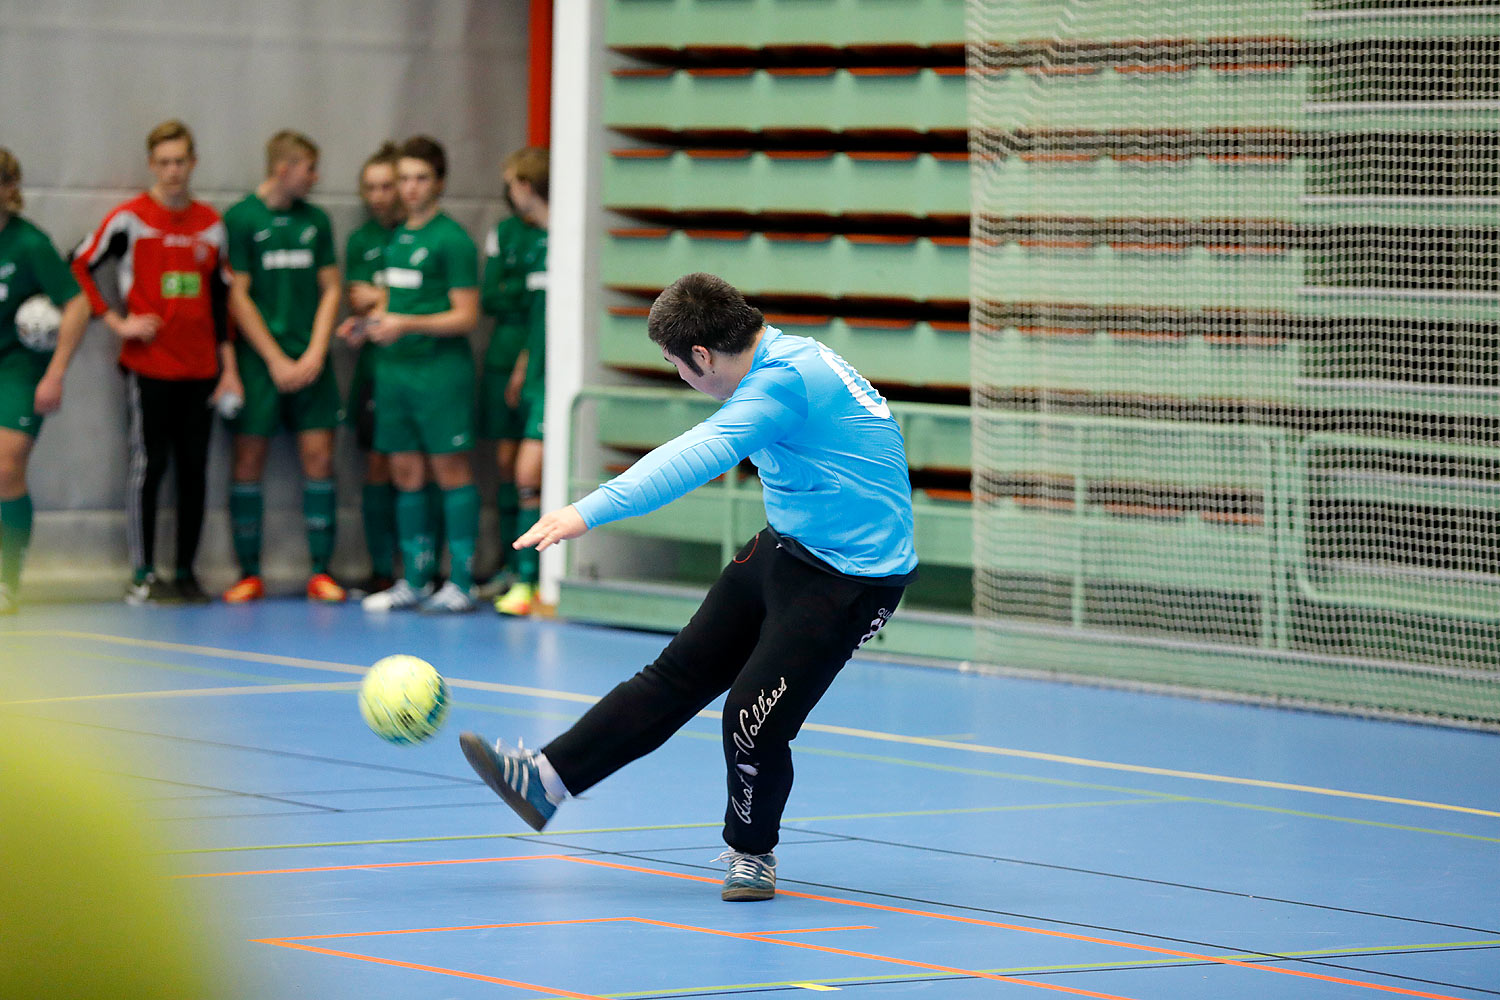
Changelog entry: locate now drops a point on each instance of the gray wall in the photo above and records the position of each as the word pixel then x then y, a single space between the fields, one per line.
pixel 85 80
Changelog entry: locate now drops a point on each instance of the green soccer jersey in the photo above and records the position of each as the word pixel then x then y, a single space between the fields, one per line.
pixel 515 266
pixel 282 252
pixel 29 264
pixel 421 267
pixel 364 254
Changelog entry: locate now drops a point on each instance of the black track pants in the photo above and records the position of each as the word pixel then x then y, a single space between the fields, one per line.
pixel 170 421
pixel 773 631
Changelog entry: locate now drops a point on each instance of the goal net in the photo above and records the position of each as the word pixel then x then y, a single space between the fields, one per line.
pixel 1236 347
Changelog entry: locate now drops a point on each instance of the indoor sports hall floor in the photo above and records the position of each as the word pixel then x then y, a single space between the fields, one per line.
pixel 950 835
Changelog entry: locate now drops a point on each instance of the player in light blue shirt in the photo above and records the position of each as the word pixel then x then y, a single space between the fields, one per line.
pixel 791 608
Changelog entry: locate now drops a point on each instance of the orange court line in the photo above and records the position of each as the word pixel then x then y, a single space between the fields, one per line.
pixel 891 959
pixel 973 921
pixel 539 923
pixel 1042 931
pixel 288 942
pixel 548 990
pixel 385 864
pixel 445 930
pixel 815 930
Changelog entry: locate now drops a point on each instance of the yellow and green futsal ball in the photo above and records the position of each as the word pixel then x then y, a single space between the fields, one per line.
pixel 403 699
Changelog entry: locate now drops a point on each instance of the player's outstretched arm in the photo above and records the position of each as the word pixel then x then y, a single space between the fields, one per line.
pixel 553 527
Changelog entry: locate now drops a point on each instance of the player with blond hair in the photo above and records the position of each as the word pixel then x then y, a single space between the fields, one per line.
pixel 285 301
pixel 170 319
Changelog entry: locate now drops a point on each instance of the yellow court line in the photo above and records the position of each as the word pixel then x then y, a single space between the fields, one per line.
pixel 1108 765
pixel 865 734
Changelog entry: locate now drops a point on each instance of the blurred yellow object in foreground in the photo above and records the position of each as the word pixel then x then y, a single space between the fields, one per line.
pixel 86 907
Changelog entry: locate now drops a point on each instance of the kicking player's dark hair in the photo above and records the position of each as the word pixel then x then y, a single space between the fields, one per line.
pixel 429 151
pixel 702 310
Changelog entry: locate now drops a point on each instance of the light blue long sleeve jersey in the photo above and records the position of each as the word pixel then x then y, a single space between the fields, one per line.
pixel 831 458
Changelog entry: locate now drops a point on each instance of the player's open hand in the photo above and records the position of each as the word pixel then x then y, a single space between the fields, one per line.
pixel 551 528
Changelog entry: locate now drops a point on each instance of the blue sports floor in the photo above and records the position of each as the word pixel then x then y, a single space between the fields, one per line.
pixel 950 835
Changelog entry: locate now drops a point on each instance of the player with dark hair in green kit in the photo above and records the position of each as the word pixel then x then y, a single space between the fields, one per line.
pixel 285 299
pixel 31 381
pixel 515 271
pixel 424 383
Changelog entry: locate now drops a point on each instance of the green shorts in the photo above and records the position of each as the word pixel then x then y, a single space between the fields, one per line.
pixel 267 410
pixel 498 420
pixel 425 404
pixel 533 412
pixel 20 370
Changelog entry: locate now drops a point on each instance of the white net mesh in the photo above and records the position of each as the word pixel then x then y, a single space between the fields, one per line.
pixel 1236 359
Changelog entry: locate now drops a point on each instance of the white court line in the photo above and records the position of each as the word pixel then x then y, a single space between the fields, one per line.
pixel 192 693
pixel 865 734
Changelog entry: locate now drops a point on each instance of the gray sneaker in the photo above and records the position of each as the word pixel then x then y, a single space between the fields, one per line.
pixel 451 599
pixel 7 601
pixel 151 591
pixel 751 877
pixel 398 597
pixel 511 774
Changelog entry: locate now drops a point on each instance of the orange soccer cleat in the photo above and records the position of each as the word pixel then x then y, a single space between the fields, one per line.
pixel 251 588
pixel 321 587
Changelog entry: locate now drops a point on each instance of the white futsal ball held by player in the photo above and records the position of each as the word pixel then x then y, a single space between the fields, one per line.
pixel 403 699
pixel 36 323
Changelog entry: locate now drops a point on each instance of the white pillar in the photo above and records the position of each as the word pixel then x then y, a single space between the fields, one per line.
pixel 573 233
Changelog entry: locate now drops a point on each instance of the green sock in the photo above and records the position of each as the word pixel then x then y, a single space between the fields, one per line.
pixel 15 536
pixel 416 541
pixel 245 508
pixel 507 502
pixel 378 503
pixel 318 510
pixel 461 516
pixel 434 494
pixel 526 561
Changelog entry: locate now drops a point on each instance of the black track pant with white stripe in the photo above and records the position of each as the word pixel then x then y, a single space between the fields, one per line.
pixel 170 421
pixel 773 631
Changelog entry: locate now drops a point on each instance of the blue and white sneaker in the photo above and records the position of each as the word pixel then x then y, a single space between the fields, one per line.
pixel 751 877
pixel 511 774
